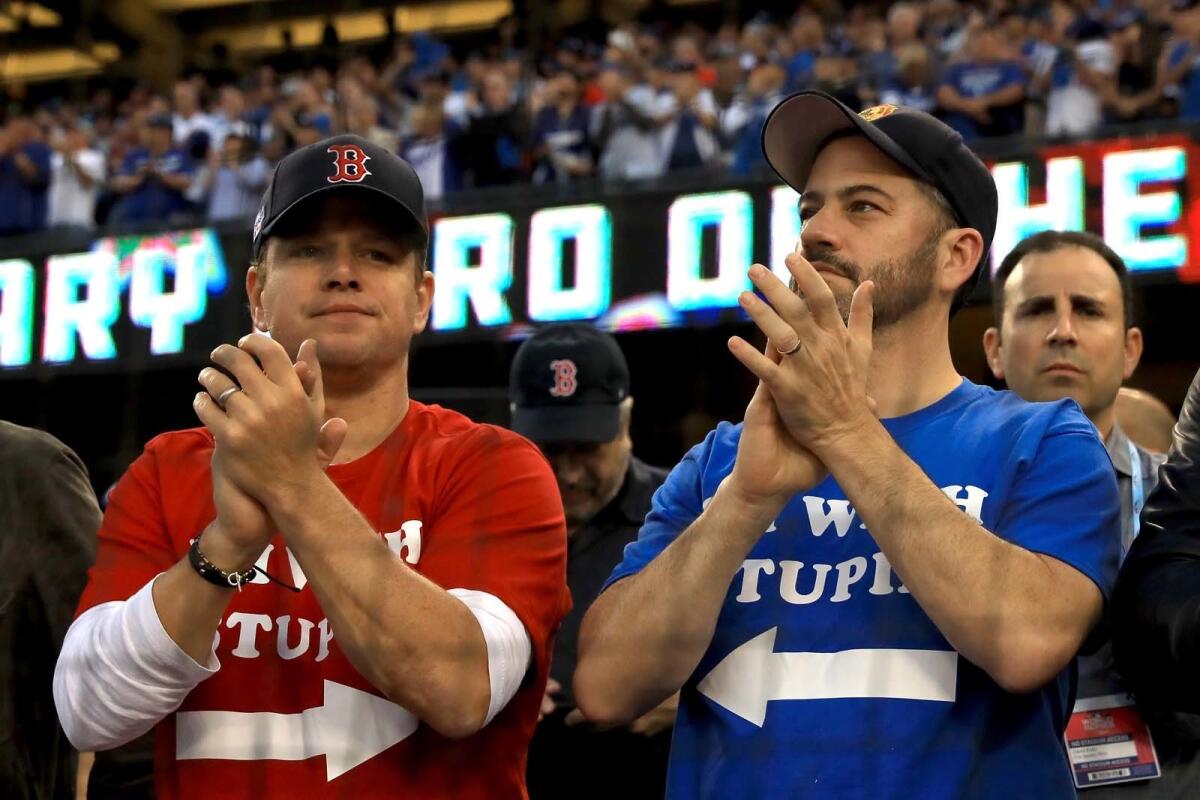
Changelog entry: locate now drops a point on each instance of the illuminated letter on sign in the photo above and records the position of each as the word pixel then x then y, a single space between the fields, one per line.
pixel 785 228
pixel 91 317
pixel 1126 211
pixel 458 282
pixel 1062 211
pixel 730 212
pixel 16 312
pixel 166 313
pixel 591 228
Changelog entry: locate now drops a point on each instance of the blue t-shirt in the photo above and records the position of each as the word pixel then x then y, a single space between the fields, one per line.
pixel 971 79
pixel 1189 84
pixel 796 695
pixel 566 135
pixel 23 198
pixel 152 200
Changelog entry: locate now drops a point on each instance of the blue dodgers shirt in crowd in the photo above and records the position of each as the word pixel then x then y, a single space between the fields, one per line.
pixel 816 613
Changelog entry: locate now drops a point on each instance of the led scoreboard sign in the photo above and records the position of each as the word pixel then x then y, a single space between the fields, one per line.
pixel 639 260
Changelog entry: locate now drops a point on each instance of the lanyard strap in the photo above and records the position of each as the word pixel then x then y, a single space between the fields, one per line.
pixel 1136 490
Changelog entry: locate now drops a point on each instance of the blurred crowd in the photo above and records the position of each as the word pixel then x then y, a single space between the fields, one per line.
pixel 627 103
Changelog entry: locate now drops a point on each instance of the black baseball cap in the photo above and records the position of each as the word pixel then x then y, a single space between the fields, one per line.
pixel 802 124
pixel 341 163
pixel 567 384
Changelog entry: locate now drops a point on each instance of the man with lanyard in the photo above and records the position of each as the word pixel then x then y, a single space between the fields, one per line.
pixel 329 589
pixel 876 585
pixel 569 390
pixel 1064 328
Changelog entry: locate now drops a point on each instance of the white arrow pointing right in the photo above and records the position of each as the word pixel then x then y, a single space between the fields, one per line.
pixel 753 674
pixel 351 727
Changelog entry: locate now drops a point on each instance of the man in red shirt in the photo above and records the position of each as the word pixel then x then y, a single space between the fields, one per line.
pixel 329 590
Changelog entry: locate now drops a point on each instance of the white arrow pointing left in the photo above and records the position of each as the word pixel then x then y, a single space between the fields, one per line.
pixel 351 727
pixel 753 674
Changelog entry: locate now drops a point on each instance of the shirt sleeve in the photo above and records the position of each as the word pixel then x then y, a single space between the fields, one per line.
pixel 1064 502
pixel 498 528
pixel 675 505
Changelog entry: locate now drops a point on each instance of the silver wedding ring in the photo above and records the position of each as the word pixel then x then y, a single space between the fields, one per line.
pixel 793 349
pixel 225 395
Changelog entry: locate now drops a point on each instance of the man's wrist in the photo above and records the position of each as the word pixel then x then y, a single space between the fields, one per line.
pixel 850 437
pixel 225 554
pixel 288 498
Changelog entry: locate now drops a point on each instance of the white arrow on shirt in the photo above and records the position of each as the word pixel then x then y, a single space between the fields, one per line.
pixel 351 727
pixel 753 674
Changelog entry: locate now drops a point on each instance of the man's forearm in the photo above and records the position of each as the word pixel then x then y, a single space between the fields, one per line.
pixel 1002 607
pixel 418 644
pixel 189 606
pixel 642 639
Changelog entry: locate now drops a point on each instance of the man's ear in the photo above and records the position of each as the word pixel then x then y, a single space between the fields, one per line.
pixel 992 349
pixel 424 302
pixel 255 280
pixel 965 251
pixel 1133 350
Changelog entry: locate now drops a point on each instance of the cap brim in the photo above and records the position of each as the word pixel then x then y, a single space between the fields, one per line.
pixel 799 127
pixel 410 216
pixel 558 424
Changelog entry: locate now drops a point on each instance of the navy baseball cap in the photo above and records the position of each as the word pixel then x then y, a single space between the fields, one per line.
pixel 342 163
pixel 567 384
pixel 801 125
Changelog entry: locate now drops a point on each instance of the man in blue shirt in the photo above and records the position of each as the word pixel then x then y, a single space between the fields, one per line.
pixel 876 585
pixel 24 177
pixel 985 94
pixel 153 178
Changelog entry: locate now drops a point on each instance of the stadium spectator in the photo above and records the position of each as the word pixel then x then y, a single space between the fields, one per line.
pixel 984 94
pixel 495 136
pixel 76 176
pixel 624 126
pixel 230 112
pixel 1080 79
pixel 743 122
pixel 434 149
pixel 807 37
pixel 836 72
pixel 882 68
pixel 363 119
pixel 153 178
pixel 915 81
pixel 24 176
pixel 189 123
pixel 1180 70
pixel 562 147
pixel 1145 419
pixel 606 490
pixel 1138 46
pixel 689 119
pixel 230 184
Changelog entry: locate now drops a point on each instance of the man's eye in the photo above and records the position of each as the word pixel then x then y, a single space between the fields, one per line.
pixel 380 255
pixel 863 205
pixel 806 214
pixel 308 251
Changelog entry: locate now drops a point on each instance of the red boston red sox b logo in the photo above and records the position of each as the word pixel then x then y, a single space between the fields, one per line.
pixel 350 163
pixel 564 377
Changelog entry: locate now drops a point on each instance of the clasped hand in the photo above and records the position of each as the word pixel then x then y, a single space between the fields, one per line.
pixel 272 438
pixel 808 399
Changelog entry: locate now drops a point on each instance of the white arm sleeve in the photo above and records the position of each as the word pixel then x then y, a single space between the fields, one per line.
pixel 508 647
pixel 120 672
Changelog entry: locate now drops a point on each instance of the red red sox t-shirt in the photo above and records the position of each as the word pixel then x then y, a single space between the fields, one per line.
pixel 468 506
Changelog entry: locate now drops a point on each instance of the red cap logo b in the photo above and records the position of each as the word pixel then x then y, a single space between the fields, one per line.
pixel 350 163
pixel 565 383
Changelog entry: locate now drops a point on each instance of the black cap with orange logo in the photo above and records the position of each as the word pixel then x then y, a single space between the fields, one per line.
pixel 801 125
